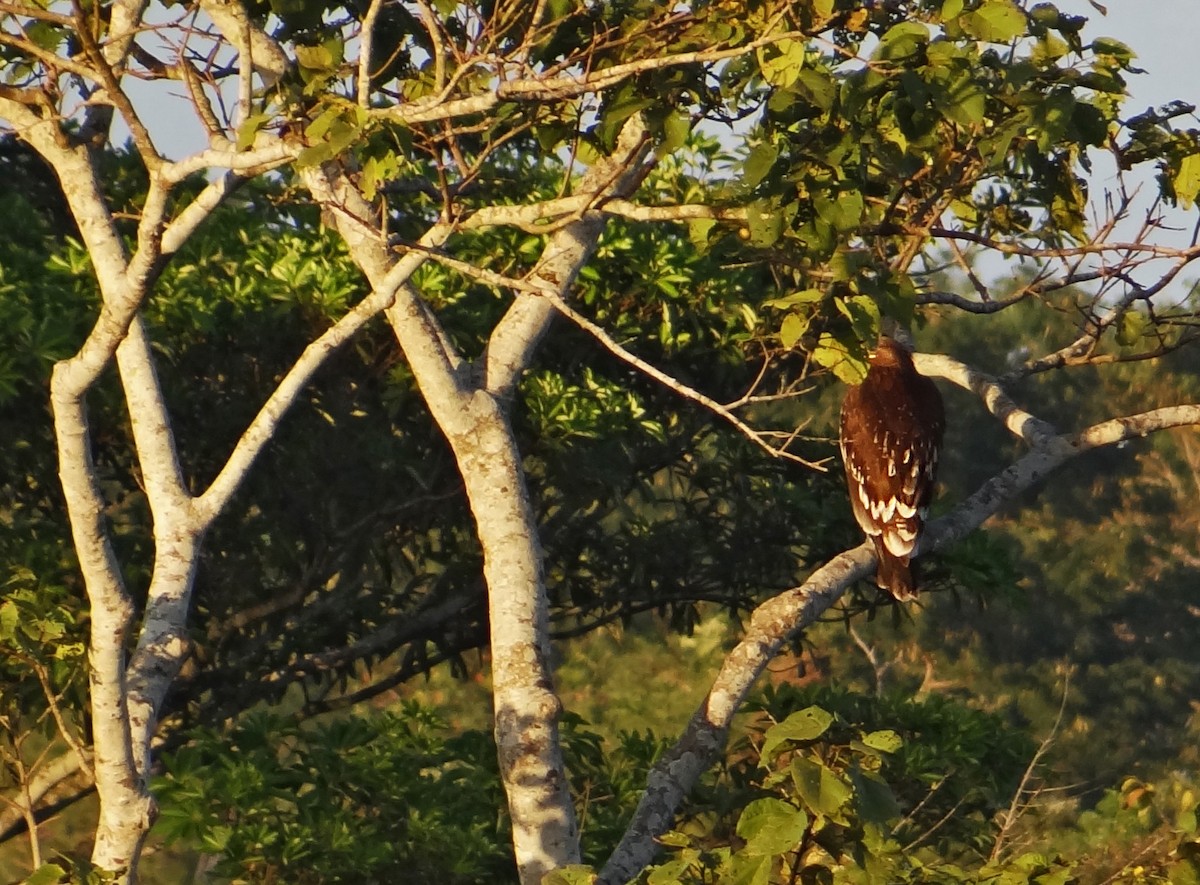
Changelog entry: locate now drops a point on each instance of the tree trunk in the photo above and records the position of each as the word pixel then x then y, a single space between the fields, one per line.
pixel 527 709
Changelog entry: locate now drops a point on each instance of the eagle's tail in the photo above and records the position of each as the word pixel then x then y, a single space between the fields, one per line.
pixel 896 575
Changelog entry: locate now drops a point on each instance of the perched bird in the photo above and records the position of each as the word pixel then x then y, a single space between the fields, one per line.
pixel 891 432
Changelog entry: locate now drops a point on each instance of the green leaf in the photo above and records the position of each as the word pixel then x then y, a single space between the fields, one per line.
pixel 792 329
pixel 873 796
pixel 675 839
pixel 249 129
pixel 766 220
pixel 376 170
pixel 575 874
pixel 323 123
pixel 1187 181
pixel 902 41
pixel 758 163
pixel 317 58
pixel 996 21
pixel 818 87
pixel 822 789
pixel 1185 822
pixel 671 871
pixel 550 135
pixel 676 127
pixel 804 296
pixel 962 100
pixel 624 104
pixel 848 264
pixel 9 617
pixel 1131 327
pixel 782 62
pixel 803 725
pixel 748 870
pixel 47 874
pixel 698 231
pixel 837 356
pixel 863 314
pixel 885 740
pixel 843 211
pixel 1115 48
pixel 771 826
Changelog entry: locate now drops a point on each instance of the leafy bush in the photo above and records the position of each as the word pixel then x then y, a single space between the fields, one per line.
pixel 859 789
pixel 383 798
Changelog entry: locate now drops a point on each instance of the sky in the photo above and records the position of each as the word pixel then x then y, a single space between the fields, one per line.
pixel 1164 35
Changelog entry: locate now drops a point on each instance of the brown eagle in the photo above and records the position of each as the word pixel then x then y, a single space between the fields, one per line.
pixel 891 432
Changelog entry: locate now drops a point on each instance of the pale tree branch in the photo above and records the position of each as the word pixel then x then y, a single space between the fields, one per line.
pixel 366 51
pixel 262 429
pixel 513 341
pixel 548 215
pixel 1016 420
pixel 555 88
pixel 162 638
pixel 782 617
pixel 266 57
pixel 271 155
pixel 47 779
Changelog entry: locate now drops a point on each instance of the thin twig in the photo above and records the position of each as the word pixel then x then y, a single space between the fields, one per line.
pixel 1017 807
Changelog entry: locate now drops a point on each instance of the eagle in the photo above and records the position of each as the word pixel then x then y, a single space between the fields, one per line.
pixel 891 431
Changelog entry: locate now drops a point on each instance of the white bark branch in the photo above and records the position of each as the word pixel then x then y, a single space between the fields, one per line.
pixel 262 429
pixel 68 767
pixel 515 338
pixel 564 86
pixel 548 214
pixel 264 54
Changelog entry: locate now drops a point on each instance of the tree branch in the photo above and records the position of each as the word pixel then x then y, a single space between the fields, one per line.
pixel 537 89
pixel 782 617
pixel 514 339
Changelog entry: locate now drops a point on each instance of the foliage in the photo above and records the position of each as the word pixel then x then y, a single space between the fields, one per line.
pixel 356 800
pixel 373 798
pixel 1141 833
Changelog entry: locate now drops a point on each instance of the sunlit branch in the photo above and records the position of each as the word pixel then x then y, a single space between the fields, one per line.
pixel 366 51
pixel 780 618
pixel 1154 250
pixel 440 107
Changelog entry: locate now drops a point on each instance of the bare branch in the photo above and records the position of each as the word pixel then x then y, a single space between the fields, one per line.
pixel 231 18
pixel 722 411
pixel 366 50
pixel 978 307
pixel 63 769
pixel 439 107
pixel 1188 253
pixel 1020 423
pixel 1018 805
pixel 262 428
